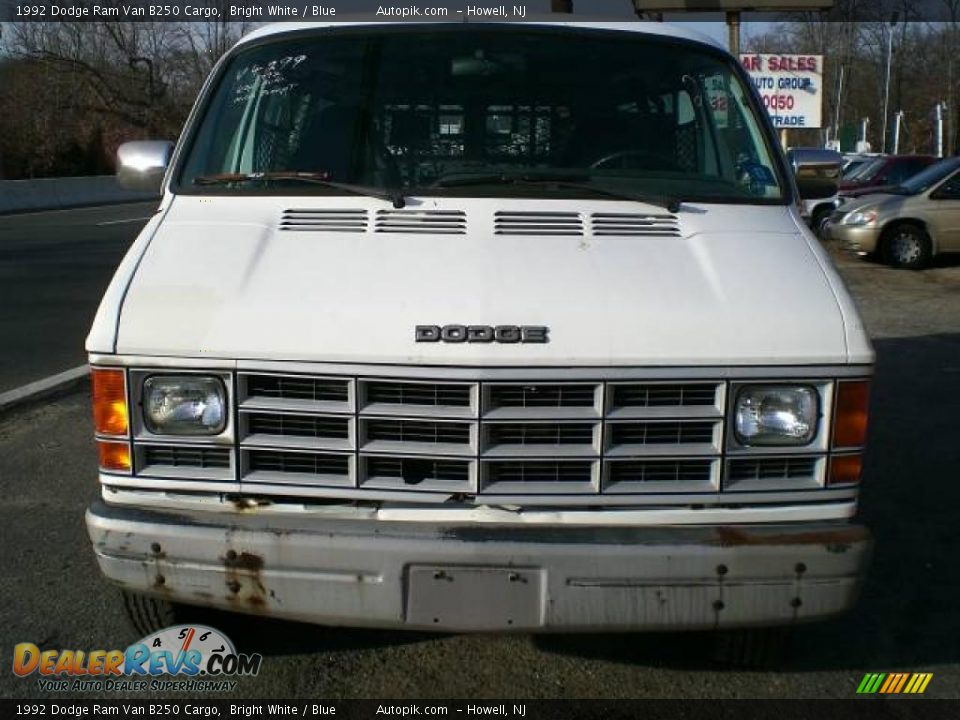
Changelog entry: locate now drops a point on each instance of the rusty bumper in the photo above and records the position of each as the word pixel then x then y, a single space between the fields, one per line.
pixel 485 577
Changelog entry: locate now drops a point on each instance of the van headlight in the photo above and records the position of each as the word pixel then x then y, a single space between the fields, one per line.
pixel 776 415
pixel 860 217
pixel 184 405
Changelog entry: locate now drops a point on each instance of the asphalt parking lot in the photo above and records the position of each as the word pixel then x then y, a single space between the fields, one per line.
pixel 907 619
pixel 54 266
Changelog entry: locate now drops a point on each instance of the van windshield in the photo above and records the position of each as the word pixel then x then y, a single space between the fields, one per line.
pixel 482 111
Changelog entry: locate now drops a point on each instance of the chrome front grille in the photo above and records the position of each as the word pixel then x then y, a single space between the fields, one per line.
pixel 185 457
pixel 298 388
pixel 298 426
pixel 646 395
pixel 430 394
pixel 497 438
pixel 632 471
pixel 299 463
pixel 488 439
pixel 770 469
pixel 661 433
pixel 391 472
pixel 415 431
pixel 535 434
pixel 542 396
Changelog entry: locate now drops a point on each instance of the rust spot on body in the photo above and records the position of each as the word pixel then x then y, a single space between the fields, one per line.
pixel 243 561
pixel 243 579
pixel 247 504
pixel 834 540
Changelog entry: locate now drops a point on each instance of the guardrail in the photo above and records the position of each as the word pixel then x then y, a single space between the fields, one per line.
pixel 59 193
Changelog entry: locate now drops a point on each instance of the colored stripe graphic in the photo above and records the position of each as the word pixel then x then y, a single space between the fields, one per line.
pixel 891 680
pixel 871 683
pixel 894 683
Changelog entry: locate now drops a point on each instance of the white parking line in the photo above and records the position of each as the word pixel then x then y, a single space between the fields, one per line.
pixel 42 387
pixel 126 220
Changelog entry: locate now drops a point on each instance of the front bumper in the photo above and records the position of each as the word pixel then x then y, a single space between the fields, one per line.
pixel 856 238
pixel 465 577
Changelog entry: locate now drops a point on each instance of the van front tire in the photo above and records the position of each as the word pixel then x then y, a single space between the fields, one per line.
pixel 148 614
pixel 762 648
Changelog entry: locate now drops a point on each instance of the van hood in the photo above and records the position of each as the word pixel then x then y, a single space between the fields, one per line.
pixel 221 278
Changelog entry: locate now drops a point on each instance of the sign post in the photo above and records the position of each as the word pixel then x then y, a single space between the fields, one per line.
pixel 732 8
pixel 733 32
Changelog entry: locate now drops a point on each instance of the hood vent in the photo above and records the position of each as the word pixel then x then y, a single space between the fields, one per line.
pixel 326 220
pixel 634 225
pixel 537 223
pixel 431 222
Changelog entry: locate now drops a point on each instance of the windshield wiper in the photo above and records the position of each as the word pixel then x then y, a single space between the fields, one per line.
pixel 313 178
pixel 566 180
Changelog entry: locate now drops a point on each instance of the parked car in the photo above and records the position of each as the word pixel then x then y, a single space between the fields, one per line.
pixel 886 170
pixel 907 225
pixel 504 327
pixel 816 211
pixel 853 164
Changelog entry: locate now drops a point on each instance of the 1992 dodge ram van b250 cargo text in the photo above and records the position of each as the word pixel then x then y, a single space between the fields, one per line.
pixel 479 327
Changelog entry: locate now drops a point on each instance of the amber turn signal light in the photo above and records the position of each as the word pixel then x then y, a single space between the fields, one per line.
pixel 109 401
pixel 850 419
pixel 113 455
pixel 845 469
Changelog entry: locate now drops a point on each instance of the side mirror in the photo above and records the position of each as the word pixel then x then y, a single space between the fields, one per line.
pixel 817 172
pixel 141 164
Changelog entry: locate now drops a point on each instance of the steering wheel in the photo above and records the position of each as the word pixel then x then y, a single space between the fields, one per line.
pixel 644 160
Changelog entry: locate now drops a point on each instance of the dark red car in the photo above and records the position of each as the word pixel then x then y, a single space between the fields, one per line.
pixel 889 170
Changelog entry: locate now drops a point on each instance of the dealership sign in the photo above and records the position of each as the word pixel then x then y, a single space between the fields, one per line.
pixel 790 86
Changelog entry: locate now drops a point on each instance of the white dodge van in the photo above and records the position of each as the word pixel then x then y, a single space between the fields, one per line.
pixel 479 327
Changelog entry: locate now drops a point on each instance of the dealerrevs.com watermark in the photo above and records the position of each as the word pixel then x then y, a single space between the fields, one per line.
pixel 186 658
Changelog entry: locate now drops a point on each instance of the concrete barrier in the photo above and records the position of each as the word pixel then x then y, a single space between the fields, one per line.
pixel 57 193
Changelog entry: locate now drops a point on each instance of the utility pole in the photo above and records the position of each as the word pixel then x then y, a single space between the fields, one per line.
pixel 836 109
pixel 938 110
pixel 897 124
pixel 950 112
pixel 886 89
pixel 561 6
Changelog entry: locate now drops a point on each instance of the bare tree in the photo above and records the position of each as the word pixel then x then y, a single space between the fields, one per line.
pixel 90 86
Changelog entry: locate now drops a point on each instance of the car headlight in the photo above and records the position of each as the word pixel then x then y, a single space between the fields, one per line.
pixel 860 217
pixel 184 405
pixel 776 415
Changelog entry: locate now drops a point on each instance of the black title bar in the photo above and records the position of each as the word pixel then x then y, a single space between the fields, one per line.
pixel 183 707
pixel 440 10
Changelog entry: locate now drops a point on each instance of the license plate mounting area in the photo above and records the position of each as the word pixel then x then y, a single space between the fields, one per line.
pixel 474 598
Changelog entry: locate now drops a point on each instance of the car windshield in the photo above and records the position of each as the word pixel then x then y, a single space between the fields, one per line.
pixel 853 168
pixel 927 178
pixel 483 112
pixel 868 171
